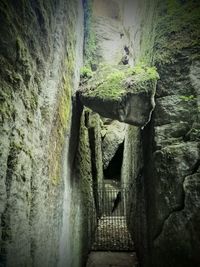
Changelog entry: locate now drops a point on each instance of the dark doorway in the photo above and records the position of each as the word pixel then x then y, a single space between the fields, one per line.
pixel 113 171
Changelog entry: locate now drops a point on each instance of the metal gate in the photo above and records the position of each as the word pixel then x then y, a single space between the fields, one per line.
pixel 111 231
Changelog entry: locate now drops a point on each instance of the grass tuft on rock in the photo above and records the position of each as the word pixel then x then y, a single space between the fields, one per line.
pixel 112 82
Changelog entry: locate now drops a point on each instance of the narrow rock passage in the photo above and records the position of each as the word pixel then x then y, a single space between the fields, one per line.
pixel 112 233
pixel 112 259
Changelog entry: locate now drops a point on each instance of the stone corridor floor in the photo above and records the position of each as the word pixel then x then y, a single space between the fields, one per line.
pixel 112 234
pixel 112 259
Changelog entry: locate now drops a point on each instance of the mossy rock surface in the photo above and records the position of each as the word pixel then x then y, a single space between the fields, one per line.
pixel 177 29
pixel 122 93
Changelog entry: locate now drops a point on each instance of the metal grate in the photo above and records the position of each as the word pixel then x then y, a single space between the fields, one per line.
pixel 111 227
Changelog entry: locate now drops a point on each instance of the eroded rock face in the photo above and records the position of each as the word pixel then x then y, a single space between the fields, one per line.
pixel 110 33
pixel 180 228
pixel 166 154
pixel 38 58
pixel 122 94
pixel 175 205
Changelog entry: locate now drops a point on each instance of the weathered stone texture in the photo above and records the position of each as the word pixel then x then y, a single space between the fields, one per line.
pixel 37 62
pixel 95 137
pixel 166 193
pixel 180 237
pixel 172 221
pixel 84 194
pixel 109 31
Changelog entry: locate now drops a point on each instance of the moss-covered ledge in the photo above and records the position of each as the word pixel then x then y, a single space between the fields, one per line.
pixel 121 93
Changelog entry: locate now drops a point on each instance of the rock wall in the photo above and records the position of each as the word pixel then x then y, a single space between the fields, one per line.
pixel 109 33
pixel 173 203
pixel 132 176
pixel 114 32
pixel 83 174
pixel 40 56
pixel 165 203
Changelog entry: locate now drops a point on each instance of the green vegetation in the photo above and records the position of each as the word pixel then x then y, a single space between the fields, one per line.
pixel 90 42
pixel 107 83
pixel 142 72
pixel 61 123
pixel 112 86
pixel 187 98
pixel 168 27
pixel 86 72
pixel 62 114
pixel 113 82
pixel 6 104
pixel 148 29
pixel 178 27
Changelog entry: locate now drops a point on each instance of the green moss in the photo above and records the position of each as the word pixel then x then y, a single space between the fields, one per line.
pixel 168 27
pixel 142 72
pixel 65 104
pixel 113 82
pixel 18 145
pixel 90 43
pixel 178 27
pixel 188 98
pixel 112 86
pixel 23 60
pixel 58 134
pixel 6 104
pixel 62 114
pixel 4 111
pixel 148 31
pixel 86 72
pixel 34 101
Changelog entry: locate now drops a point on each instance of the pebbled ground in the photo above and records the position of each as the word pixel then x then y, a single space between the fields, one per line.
pixel 112 259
